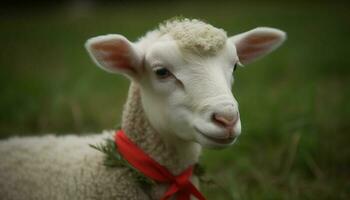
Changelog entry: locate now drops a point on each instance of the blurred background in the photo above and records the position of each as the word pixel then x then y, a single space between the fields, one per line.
pixel 294 103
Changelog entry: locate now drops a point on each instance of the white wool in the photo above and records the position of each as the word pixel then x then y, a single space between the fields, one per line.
pixel 195 35
pixel 190 34
pixel 61 167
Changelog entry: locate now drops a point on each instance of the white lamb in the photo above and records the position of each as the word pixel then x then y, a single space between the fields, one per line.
pixel 179 100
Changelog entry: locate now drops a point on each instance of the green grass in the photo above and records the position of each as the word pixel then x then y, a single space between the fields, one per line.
pixel 293 103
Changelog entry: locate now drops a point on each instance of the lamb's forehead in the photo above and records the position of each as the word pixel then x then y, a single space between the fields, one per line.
pixel 195 35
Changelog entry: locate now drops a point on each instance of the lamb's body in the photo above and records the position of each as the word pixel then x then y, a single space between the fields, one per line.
pixel 179 100
pixel 66 167
pixel 50 167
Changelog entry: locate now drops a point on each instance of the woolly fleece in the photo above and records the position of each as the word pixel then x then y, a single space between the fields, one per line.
pixel 195 35
pixel 58 168
pixel 191 35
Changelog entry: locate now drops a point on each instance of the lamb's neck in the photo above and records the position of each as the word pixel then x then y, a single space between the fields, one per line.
pixel 175 154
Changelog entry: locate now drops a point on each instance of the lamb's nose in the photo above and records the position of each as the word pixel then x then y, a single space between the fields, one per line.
pixel 226 120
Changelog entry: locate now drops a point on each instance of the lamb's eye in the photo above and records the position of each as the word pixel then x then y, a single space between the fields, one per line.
pixel 162 72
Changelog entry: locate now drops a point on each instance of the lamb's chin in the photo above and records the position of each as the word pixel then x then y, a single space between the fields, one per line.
pixel 214 145
pixel 208 141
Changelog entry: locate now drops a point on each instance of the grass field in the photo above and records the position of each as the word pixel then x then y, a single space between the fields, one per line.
pixel 294 103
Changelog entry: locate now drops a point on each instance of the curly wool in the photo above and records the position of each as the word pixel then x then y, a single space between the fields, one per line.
pixel 61 167
pixel 191 35
pixel 195 35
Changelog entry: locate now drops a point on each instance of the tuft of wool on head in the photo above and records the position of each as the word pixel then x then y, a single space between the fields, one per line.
pixel 195 35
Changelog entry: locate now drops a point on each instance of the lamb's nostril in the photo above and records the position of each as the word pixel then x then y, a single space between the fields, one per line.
pixel 228 121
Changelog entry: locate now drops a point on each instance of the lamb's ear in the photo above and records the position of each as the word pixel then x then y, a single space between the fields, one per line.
pixel 257 43
pixel 116 54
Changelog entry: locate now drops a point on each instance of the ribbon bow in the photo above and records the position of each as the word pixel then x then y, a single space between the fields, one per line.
pixel 179 185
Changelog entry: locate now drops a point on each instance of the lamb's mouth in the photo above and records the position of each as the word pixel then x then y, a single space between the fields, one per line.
pixel 215 139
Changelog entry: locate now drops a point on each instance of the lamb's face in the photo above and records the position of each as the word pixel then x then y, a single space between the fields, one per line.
pixel 184 94
pixel 190 96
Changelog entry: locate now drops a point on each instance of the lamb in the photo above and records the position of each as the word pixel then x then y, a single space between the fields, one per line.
pixel 179 101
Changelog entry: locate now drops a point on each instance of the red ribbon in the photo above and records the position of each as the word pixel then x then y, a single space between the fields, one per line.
pixel 179 185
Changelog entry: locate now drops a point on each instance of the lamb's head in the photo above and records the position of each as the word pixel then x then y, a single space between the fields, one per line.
pixel 185 73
